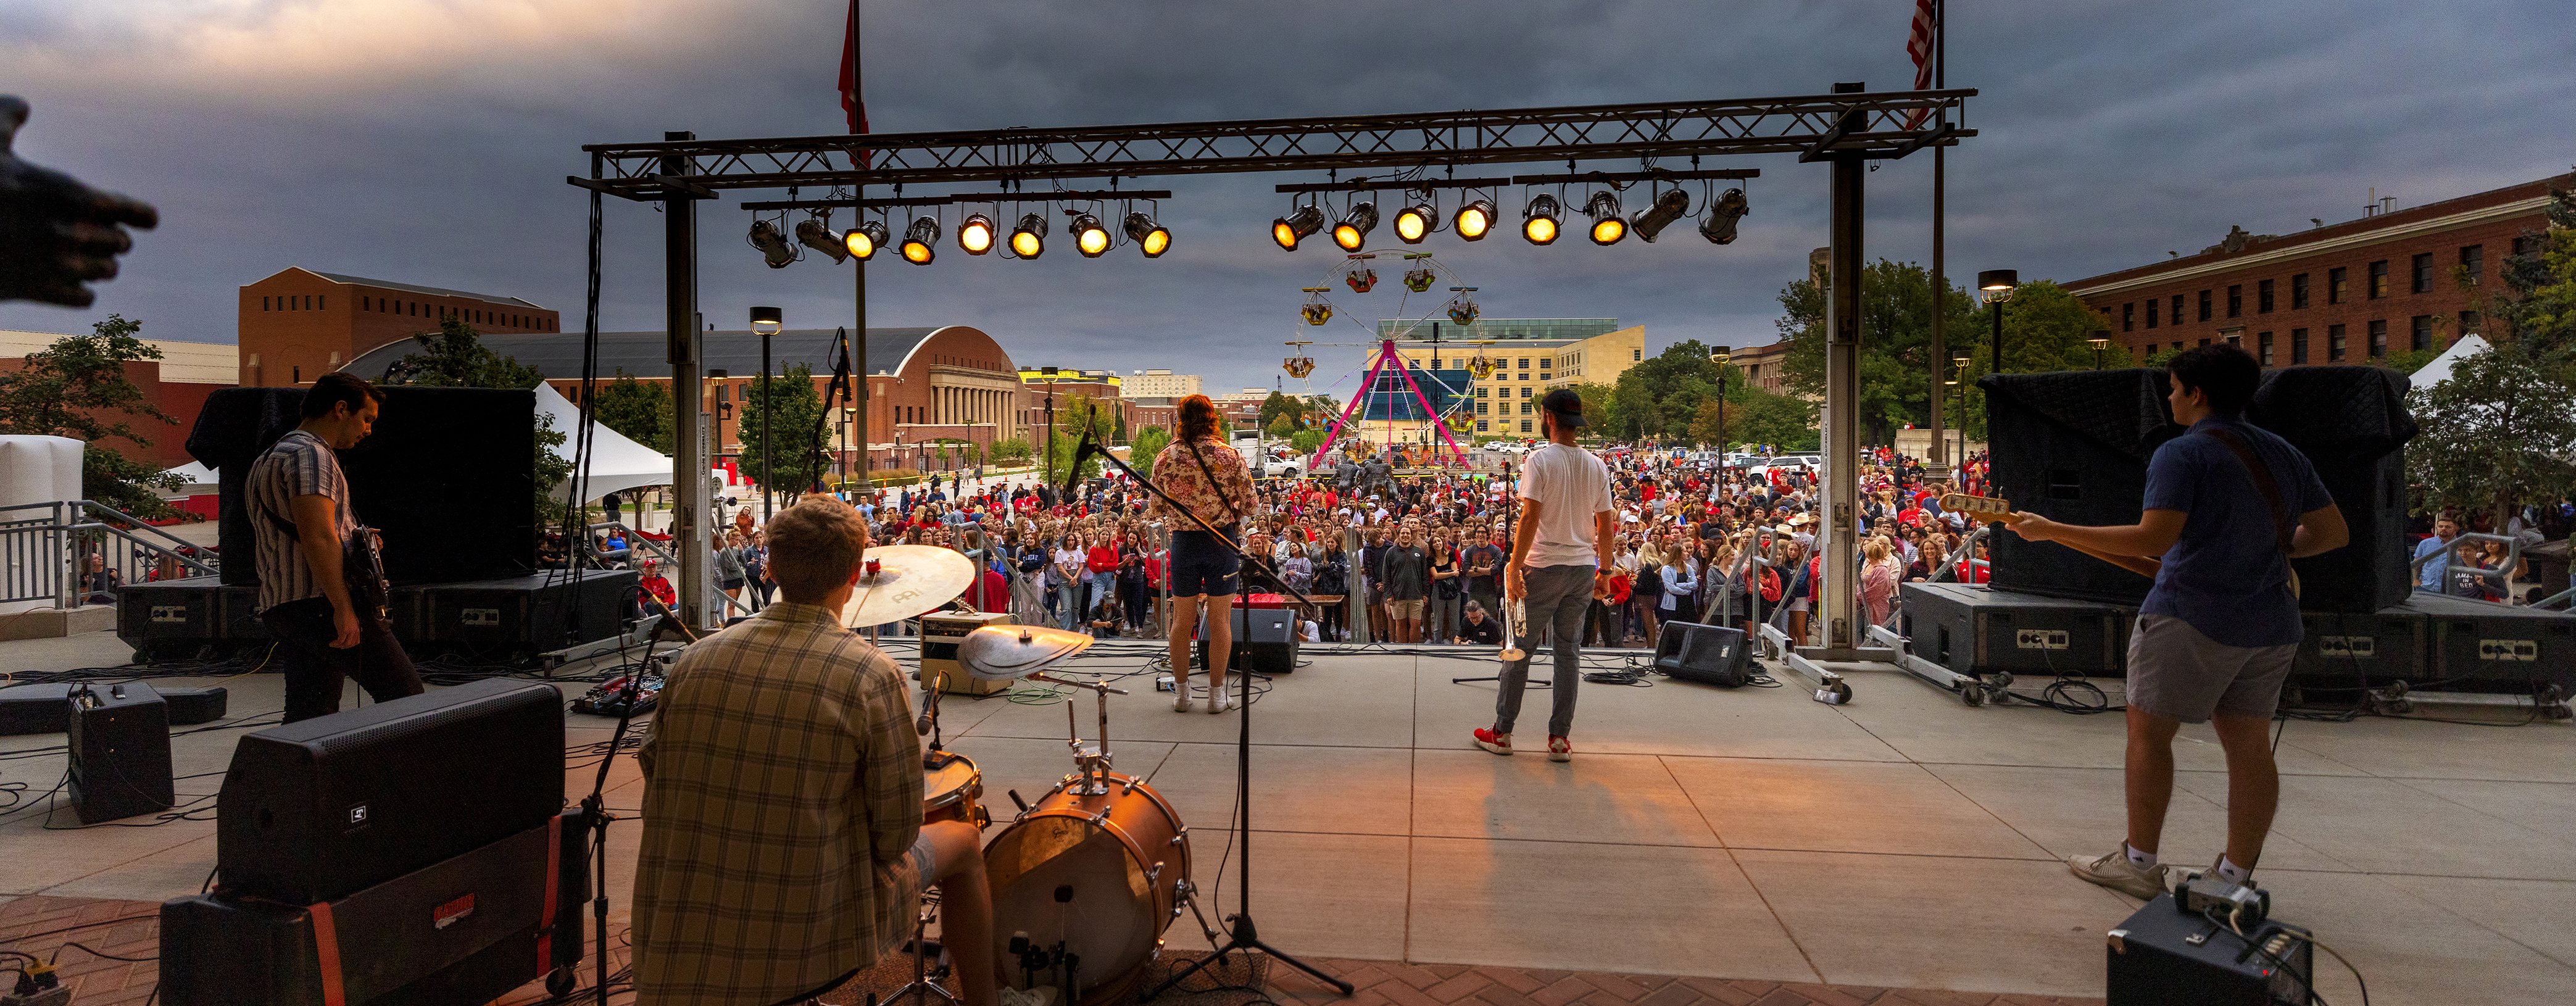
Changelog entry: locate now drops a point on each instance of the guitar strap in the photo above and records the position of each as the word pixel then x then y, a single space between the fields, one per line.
pixel 2284 526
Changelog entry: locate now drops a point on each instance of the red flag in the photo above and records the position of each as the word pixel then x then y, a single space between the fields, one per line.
pixel 851 107
pixel 1918 44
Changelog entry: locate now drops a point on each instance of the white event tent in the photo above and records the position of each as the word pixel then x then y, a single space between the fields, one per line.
pixel 617 464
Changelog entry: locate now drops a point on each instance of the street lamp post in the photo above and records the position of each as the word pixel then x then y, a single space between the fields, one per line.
pixel 1718 355
pixel 1959 459
pixel 1998 285
pixel 766 321
pixel 2100 338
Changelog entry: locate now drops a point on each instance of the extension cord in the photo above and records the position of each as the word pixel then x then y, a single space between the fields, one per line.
pixel 59 995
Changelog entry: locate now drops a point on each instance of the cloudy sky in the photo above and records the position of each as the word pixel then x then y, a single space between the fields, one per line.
pixel 426 141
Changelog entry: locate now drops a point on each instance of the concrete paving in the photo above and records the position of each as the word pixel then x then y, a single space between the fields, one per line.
pixel 1904 840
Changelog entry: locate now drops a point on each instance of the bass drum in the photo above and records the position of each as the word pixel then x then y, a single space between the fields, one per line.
pixel 1104 874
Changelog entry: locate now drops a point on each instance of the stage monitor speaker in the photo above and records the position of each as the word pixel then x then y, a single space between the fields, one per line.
pixel 35 709
pixel 439 460
pixel 464 930
pixel 2340 650
pixel 2161 957
pixel 319 809
pixel 120 751
pixel 2073 446
pixel 1975 629
pixel 518 615
pixel 1711 654
pixel 1265 641
pixel 191 706
pixel 940 633
pixel 2490 647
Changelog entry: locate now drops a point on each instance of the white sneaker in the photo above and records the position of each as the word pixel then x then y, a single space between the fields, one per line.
pixel 1220 701
pixel 2115 871
pixel 1181 696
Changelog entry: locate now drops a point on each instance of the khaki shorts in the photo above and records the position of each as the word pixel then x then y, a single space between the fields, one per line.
pixel 2179 674
pixel 1406 611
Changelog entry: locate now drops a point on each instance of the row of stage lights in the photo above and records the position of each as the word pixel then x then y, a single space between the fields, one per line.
pixel 1539 220
pixel 975 236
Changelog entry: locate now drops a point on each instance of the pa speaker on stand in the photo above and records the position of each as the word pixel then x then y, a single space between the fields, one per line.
pixel 1711 654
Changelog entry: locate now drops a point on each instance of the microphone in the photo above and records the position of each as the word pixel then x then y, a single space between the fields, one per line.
pixel 1073 472
pixel 929 711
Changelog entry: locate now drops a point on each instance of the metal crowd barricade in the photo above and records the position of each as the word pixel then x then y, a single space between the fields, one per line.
pixel 2501 575
pixel 45 550
pixel 635 541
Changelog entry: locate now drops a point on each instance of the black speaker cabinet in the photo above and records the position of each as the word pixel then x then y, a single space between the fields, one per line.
pixel 2352 424
pixel 1265 641
pixel 2162 957
pixel 1705 653
pixel 120 751
pixel 2490 647
pixel 35 709
pixel 1977 629
pixel 467 929
pixel 320 809
pixel 2345 650
pixel 545 611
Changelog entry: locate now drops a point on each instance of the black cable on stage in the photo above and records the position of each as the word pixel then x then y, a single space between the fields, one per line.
pixel 576 533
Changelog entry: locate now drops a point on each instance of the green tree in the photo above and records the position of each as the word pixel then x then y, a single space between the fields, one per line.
pixel 1069 423
pixel 791 407
pixel 1013 449
pixel 1282 406
pixel 2497 433
pixel 638 410
pixel 1658 398
pixel 1306 440
pixel 2538 299
pixel 1896 305
pixel 1148 442
pixel 455 357
pixel 77 388
pixel 1787 422
pixel 1282 427
pixel 1714 413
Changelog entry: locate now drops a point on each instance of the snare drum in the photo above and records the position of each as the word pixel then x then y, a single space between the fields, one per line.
pixel 955 792
pixel 1124 860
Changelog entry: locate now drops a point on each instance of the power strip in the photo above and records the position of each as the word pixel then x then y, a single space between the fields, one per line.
pixel 1163 683
pixel 59 995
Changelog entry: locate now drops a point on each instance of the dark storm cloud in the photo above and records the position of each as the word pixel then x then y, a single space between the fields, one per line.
pixel 426 140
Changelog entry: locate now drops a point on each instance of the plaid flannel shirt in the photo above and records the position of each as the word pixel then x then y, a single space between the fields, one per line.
pixel 783 789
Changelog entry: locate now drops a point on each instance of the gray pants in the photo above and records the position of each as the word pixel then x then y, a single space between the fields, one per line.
pixel 1442 618
pixel 1558 596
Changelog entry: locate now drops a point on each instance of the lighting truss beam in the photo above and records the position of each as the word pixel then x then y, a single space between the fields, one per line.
pixel 1635 176
pixel 1870 124
pixel 963 197
pixel 1365 185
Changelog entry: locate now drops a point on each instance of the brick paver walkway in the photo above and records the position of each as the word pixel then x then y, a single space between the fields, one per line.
pixel 132 929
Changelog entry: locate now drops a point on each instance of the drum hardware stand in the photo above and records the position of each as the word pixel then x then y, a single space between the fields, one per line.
pixel 1243 936
pixel 1092 764
pixel 921 988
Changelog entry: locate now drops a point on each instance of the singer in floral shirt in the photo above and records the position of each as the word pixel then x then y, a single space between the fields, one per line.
pixel 1203 474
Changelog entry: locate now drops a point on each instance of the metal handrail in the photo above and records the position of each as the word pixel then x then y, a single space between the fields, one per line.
pixel 54 568
pixel 635 538
pixel 2501 574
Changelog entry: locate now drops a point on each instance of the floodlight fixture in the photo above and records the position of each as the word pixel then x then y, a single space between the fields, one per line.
pixel 1538 221
pixel 1413 223
pixel 1666 208
pixel 1150 237
pixel 815 234
pixel 1352 232
pixel 975 234
pixel 772 244
pixel 1028 239
pixel 864 239
pixel 920 241
pixel 1089 237
pixel 1719 225
pixel 1294 227
pixel 1608 226
pixel 766 320
pixel 1474 220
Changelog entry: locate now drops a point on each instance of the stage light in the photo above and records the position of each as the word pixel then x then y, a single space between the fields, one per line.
pixel 767 320
pixel 1150 237
pixel 1653 219
pixel 1538 222
pixel 1719 225
pixel 814 234
pixel 976 234
pixel 1474 220
pixel 919 242
pixel 773 245
pixel 1352 233
pixel 864 240
pixel 1294 227
pixel 1089 237
pixel 1028 240
pixel 1413 223
pixel 1607 225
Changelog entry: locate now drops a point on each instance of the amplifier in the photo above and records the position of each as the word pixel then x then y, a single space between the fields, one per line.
pixel 35 709
pixel 120 751
pixel 1265 641
pixel 170 617
pixel 1975 630
pixel 1711 654
pixel 941 631
pixel 320 809
pixel 2490 647
pixel 467 929
pixel 2163 955
pixel 2346 649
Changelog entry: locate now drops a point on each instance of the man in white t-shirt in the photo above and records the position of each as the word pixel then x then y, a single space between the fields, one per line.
pixel 1560 561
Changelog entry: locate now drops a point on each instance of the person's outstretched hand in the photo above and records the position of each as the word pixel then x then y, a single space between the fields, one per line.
pixel 55 233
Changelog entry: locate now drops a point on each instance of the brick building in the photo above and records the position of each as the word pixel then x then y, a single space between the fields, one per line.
pixel 2346 292
pixel 177 383
pixel 1160 384
pixel 299 324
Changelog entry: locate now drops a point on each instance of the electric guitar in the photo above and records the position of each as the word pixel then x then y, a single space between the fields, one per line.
pixel 1995 510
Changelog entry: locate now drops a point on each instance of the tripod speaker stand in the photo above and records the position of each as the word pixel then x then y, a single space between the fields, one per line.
pixel 1240 931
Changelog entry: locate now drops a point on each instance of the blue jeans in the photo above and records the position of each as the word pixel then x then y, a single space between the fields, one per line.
pixel 1068 604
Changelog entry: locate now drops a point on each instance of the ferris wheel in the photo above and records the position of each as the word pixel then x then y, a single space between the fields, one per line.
pixel 1393 384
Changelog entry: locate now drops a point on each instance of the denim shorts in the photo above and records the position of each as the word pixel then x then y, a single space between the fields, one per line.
pixel 1202 564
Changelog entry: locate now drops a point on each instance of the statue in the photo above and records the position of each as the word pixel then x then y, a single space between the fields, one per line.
pixel 57 234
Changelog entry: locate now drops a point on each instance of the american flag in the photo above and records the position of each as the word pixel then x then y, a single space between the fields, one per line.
pixel 1918 44
pixel 851 107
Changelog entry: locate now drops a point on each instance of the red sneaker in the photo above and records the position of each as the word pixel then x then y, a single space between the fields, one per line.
pixel 1559 749
pixel 1500 744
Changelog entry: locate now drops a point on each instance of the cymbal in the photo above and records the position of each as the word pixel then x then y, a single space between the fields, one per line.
pixel 1012 652
pixel 910 580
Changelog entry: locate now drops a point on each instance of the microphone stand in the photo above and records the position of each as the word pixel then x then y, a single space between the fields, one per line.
pixel 1241 935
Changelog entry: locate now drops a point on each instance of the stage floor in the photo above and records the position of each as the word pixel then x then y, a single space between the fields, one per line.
pixel 1901 841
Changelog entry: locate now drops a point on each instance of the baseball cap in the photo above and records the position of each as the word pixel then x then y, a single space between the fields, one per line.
pixel 1567 406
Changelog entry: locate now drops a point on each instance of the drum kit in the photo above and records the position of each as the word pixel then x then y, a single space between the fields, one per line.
pixel 1085 880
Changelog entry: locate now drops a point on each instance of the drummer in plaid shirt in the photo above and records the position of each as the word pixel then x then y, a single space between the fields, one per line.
pixel 784 848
